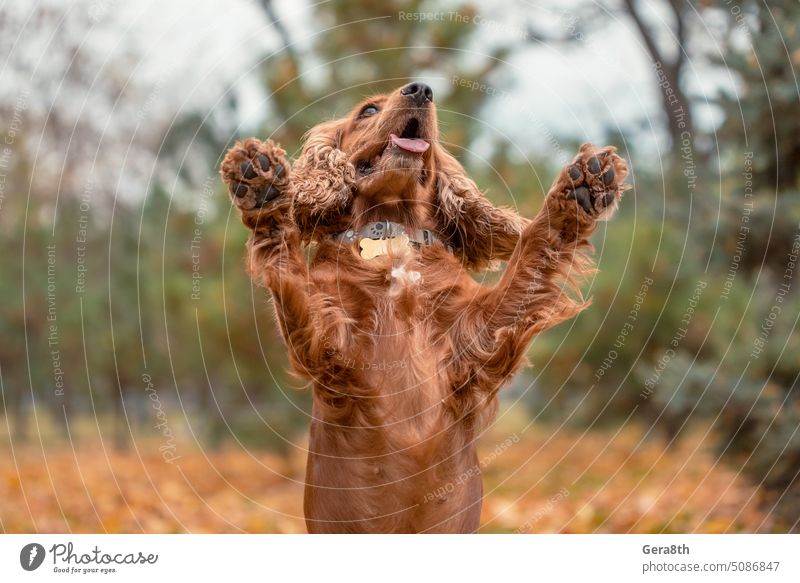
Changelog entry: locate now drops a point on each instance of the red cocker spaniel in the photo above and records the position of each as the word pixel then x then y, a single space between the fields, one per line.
pixel 406 352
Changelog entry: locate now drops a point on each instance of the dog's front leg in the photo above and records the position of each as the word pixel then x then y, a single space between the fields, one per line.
pixel 539 288
pixel 258 178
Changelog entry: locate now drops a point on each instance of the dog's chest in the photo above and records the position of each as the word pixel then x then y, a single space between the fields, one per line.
pixel 395 342
pixel 409 386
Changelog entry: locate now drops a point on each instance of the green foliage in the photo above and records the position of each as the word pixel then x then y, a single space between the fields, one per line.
pixel 165 295
pixel 761 46
pixel 757 398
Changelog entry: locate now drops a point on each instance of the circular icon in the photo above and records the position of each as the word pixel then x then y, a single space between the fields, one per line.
pixel 31 556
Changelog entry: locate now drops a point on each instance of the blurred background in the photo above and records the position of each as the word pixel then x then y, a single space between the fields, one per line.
pixel 144 387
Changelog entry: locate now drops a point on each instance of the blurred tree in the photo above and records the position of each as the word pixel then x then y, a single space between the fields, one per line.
pixel 735 362
pixel 669 62
pixel 663 27
pixel 760 420
pixel 761 45
pixel 95 185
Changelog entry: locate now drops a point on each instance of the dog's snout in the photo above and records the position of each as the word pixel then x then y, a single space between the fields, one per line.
pixel 419 92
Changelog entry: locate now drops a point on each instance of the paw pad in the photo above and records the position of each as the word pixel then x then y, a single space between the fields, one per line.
pixel 255 173
pixel 594 181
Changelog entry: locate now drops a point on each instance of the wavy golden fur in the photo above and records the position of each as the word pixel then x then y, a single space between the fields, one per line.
pixel 406 352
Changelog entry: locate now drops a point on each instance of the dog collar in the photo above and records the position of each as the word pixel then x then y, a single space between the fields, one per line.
pixel 378 238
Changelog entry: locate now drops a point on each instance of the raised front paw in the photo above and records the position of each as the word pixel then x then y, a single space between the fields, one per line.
pixel 256 173
pixel 592 185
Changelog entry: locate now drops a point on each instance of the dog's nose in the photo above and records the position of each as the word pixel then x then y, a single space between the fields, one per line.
pixel 419 92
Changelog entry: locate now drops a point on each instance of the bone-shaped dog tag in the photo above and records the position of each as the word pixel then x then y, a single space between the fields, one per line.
pixel 371 248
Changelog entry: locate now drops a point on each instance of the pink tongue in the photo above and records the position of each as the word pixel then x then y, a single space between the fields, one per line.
pixel 410 144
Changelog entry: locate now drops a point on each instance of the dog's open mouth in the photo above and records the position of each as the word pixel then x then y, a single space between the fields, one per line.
pixel 408 142
pixel 409 139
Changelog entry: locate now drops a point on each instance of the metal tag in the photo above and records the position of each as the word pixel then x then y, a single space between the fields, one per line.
pixel 371 248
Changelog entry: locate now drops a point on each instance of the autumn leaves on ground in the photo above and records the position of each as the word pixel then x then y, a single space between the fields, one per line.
pixel 537 479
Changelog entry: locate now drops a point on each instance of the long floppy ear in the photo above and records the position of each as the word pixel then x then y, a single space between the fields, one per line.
pixel 323 181
pixel 480 231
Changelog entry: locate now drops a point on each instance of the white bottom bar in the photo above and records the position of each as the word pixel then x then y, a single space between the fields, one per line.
pixel 351 559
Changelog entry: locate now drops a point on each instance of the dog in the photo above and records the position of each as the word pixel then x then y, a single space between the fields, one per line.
pixel 405 351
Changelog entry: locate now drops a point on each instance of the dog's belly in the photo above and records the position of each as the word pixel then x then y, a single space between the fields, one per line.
pixel 399 462
pixel 406 491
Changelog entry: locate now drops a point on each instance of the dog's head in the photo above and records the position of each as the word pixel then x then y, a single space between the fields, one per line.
pixel 384 161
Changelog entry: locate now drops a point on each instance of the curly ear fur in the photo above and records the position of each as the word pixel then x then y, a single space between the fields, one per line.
pixel 482 232
pixel 324 181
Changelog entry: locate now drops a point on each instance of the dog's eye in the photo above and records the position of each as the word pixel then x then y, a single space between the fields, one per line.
pixel 368 111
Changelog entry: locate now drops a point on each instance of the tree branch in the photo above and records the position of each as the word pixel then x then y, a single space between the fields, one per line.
pixel 282 31
pixel 680 32
pixel 646 33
